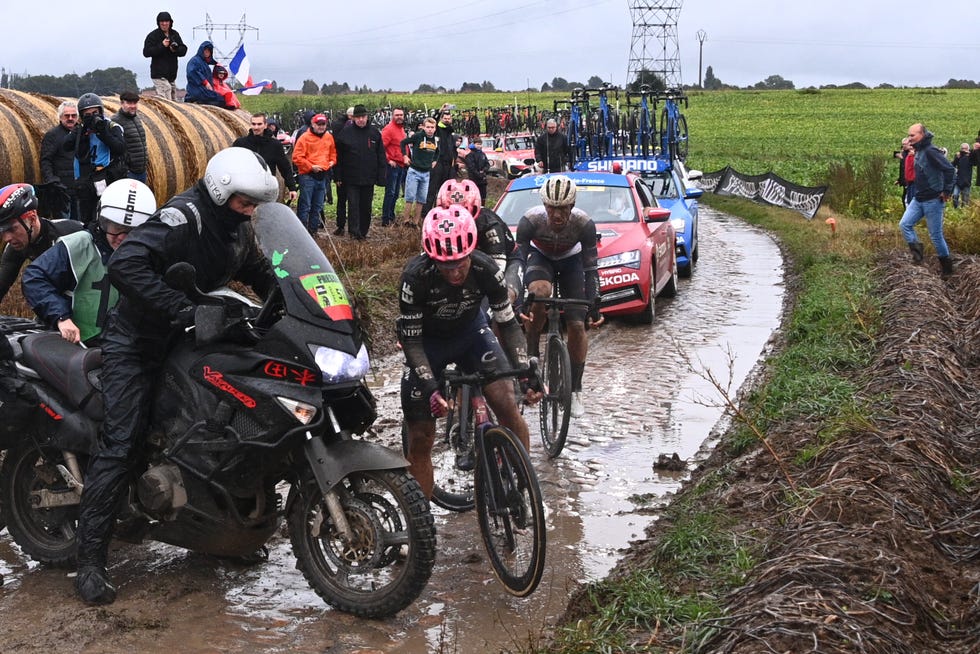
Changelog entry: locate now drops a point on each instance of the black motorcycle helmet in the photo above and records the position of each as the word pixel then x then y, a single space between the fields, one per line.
pixel 89 100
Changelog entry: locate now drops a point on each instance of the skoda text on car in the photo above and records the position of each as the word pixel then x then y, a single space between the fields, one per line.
pixel 636 238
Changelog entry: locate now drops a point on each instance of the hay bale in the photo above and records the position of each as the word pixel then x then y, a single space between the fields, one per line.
pixel 180 138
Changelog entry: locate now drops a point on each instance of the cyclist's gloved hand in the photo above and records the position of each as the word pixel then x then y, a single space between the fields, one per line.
pixel 438 406
pixel 532 384
pixel 184 319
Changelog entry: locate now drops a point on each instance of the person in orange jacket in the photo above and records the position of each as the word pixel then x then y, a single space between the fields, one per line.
pixel 314 155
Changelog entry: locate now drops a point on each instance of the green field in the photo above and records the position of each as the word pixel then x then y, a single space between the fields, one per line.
pixel 794 134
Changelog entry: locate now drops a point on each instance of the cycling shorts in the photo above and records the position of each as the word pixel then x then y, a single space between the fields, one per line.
pixel 568 273
pixel 474 348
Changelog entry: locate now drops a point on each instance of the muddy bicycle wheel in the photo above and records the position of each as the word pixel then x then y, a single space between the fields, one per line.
pixel 556 405
pixel 511 512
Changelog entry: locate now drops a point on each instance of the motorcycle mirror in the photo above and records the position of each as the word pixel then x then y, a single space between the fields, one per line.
pixel 181 276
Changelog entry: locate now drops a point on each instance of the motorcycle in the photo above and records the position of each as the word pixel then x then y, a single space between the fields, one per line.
pixel 251 397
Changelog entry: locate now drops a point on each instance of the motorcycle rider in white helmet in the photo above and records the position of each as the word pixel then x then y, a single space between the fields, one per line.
pixel 207 226
pixel 67 285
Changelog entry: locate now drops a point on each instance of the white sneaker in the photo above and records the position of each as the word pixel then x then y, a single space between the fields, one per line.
pixel 577 409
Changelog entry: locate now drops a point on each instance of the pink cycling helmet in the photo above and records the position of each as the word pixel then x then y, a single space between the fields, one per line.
pixel 448 234
pixel 462 192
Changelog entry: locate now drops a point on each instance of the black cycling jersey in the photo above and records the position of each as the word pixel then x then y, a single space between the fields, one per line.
pixel 431 307
pixel 576 238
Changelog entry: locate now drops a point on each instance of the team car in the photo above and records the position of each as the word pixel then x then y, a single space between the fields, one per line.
pixel 636 237
pixel 511 154
pixel 682 200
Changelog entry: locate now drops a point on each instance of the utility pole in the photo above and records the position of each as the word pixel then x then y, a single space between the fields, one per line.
pixel 702 35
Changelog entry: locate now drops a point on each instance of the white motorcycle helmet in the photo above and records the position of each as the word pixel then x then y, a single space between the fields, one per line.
pixel 127 203
pixel 238 170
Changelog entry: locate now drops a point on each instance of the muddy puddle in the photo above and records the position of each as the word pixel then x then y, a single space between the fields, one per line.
pixel 647 394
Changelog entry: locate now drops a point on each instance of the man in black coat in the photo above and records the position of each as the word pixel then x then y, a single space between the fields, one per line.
pixel 551 151
pixel 270 149
pixel 135 156
pixel 58 165
pixel 163 45
pixel 360 167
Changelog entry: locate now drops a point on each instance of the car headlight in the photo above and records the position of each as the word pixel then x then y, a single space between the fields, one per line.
pixel 629 259
pixel 338 366
pixel 677 224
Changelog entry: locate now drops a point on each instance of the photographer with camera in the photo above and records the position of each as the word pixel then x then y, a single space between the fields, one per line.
pixel 100 151
pixel 163 45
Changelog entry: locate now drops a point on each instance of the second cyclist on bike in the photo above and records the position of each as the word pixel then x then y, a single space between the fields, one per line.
pixel 441 323
pixel 559 244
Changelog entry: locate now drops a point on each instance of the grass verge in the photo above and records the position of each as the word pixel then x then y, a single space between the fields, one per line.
pixel 669 599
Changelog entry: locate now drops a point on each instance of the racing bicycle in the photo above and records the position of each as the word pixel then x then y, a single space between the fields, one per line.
pixel 556 404
pixel 507 495
pixel 673 126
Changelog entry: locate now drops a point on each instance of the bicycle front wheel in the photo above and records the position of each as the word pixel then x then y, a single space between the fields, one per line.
pixel 511 512
pixel 556 405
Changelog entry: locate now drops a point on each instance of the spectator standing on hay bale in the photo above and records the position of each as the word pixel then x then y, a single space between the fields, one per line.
pixel 163 45
pixel 135 134
pixel 360 167
pixel 58 164
pixel 934 176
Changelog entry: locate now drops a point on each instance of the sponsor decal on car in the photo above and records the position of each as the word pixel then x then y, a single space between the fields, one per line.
pixel 618 279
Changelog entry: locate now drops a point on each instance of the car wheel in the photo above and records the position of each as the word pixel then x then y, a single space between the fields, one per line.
pixel 645 317
pixel 670 288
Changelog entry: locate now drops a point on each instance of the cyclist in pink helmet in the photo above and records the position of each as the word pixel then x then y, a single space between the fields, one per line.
pixel 441 323
pixel 492 235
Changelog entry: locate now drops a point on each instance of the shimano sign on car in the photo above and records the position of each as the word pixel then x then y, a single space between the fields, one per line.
pixel 629 165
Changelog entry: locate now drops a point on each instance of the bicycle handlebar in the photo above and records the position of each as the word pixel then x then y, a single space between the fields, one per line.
pixel 483 377
pixel 557 301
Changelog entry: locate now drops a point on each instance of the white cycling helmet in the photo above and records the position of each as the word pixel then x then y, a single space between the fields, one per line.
pixel 238 170
pixel 127 203
pixel 558 191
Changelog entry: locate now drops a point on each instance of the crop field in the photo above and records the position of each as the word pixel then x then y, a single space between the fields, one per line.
pixel 794 134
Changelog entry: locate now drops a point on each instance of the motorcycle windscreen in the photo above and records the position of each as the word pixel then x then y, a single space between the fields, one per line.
pixel 310 287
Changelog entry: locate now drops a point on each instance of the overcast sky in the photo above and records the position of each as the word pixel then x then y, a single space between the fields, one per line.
pixel 516 43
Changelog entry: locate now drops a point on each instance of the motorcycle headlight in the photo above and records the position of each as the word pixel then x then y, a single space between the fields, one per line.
pixel 629 259
pixel 338 366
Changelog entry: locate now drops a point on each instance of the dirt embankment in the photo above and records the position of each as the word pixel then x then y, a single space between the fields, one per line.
pixel 878 549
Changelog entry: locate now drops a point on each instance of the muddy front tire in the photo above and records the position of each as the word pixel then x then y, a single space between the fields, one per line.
pixel 389 560
pixel 27 476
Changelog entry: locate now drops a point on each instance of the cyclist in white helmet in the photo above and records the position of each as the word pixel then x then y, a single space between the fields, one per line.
pixel 559 244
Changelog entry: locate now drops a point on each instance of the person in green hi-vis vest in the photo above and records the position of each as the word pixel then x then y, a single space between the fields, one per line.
pixel 67 286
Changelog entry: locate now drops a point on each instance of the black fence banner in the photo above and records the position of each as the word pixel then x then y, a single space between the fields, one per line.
pixel 767 188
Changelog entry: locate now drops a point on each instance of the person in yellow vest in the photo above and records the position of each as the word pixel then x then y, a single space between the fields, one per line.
pixel 67 286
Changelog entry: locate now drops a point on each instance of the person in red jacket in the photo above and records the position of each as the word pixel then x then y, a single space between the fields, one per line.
pixel 391 137
pixel 219 82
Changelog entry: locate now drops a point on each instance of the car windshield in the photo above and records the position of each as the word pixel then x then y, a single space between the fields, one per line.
pixel 520 143
pixel 662 185
pixel 604 204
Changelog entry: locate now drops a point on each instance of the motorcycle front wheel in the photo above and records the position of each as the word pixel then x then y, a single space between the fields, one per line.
pixel 29 478
pixel 386 560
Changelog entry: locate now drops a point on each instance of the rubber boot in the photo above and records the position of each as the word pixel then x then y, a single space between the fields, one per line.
pixel 945 267
pixel 918 252
pixel 93 585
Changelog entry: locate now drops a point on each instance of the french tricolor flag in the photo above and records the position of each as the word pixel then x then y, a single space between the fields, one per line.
pixel 239 67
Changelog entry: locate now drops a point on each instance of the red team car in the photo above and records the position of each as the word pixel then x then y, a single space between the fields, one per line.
pixel 636 240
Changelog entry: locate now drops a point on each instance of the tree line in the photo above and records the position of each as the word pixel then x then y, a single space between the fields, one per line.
pixel 110 81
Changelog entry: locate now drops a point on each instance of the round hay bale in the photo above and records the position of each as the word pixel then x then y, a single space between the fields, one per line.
pixel 180 138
